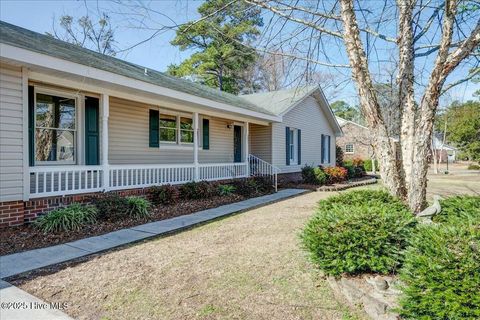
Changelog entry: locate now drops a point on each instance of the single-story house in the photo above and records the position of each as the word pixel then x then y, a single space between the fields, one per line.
pixel 356 141
pixel 442 151
pixel 75 122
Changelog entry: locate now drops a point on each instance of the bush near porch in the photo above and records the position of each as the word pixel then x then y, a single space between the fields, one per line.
pixel 372 232
pixel 114 212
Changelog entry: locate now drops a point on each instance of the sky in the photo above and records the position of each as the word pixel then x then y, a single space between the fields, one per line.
pixel 156 54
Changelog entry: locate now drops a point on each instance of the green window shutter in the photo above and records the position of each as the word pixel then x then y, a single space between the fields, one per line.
pixel 31 126
pixel 322 148
pixel 299 146
pixel 206 134
pixel 92 131
pixel 154 137
pixel 328 150
pixel 287 145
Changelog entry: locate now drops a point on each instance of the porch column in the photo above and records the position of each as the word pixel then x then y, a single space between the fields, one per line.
pixel 105 114
pixel 195 145
pixel 247 125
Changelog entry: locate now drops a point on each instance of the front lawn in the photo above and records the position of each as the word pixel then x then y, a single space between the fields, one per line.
pixel 247 266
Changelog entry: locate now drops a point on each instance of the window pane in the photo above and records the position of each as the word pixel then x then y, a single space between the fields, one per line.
pixel 167 121
pixel 169 135
pixel 187 136
pixel 54 145
pixel 186 123
pixel 67 113
pixel 55 112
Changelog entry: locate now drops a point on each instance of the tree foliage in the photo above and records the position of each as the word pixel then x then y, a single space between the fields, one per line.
pixel 343 110
pixel 97 36
pixel 463 127
pixel 220 58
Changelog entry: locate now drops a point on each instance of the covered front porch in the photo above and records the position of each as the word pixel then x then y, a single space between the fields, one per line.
pixel 119 144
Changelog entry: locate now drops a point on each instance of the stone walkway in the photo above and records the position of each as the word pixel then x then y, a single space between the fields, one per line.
pixel 18 263
pixel 18 304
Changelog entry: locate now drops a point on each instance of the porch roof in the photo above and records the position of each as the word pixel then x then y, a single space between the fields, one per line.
pixel 44 44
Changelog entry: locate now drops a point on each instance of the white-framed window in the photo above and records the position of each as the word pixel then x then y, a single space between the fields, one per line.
pixel 55 122
pixel 186 130
pixel 293 146
pixel 349 148
pixel 168 128
pixel 176 128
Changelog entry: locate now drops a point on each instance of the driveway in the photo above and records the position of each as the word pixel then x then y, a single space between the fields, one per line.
pixel 248 266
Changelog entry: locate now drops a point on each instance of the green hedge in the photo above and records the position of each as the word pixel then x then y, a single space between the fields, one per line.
pixel 358 231
pixel 460 207
pixel 441 272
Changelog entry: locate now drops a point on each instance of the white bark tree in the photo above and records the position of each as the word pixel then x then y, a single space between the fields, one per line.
pixel 405 176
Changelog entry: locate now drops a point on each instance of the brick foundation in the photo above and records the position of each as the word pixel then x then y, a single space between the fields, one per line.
pixel 15 213
pixel 292 177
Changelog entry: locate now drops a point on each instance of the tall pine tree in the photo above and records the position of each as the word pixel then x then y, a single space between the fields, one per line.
pixel 220 58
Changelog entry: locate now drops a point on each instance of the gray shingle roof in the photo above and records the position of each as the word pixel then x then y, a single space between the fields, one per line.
pixel 278 102
pixel 33 41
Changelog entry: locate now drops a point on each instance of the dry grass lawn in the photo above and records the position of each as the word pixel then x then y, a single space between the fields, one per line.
pixel 248 266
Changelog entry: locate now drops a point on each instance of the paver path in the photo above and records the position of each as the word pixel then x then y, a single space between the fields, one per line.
pixel 247 266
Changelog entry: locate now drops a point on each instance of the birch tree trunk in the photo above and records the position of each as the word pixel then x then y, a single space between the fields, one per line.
pixel 389 168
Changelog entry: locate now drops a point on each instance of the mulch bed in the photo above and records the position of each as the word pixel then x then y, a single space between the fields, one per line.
pixel 27 237
pixel 333 187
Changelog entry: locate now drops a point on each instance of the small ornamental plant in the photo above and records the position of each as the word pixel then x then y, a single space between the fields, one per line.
pixel 71 218
pixel 336 174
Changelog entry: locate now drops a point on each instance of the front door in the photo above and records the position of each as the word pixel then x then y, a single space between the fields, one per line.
pixel 237 143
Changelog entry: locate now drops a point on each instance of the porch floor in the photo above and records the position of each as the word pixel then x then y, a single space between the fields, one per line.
pixel 18 263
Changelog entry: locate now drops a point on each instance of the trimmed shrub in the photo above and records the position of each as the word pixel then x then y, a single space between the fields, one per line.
pixel 335 174
pixel 350 170
pixel 440 275
pixel 198 190
pixel 359 231
pixel 458 207
pixel 473 166
pixel 339 156
pixel 246 187
pixel 70 218
pixel 308 175
pixel 164 195
pixel 226 189
pixel 313 175
pixel 138 207
pixel 111 206
pixel 367 164
pixel 264 184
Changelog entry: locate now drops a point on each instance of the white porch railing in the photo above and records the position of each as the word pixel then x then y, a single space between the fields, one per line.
pixel 65 180
pixel 222 171
pixel 141 176
pixel 55 180
pixel 259 167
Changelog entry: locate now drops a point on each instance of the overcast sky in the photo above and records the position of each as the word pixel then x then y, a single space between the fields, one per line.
pixel 157 53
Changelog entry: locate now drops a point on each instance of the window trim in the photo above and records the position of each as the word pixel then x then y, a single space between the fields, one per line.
pixel 293 143
pixel 178 115
pixel 353 148
pixel 78 124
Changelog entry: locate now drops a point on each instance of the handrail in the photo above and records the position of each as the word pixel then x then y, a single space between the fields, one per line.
pixel 260 167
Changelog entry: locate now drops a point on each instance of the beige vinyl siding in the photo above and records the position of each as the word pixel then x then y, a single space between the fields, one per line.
pixel 260 141
pixel 129 134
pixel 310 118
pixel 11 133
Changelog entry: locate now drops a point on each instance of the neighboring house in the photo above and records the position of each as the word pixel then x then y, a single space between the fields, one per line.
pixel 356 141
pixel 442 151
pixel 74 122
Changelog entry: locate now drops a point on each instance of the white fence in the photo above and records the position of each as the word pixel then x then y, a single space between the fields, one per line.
pixel 65 180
